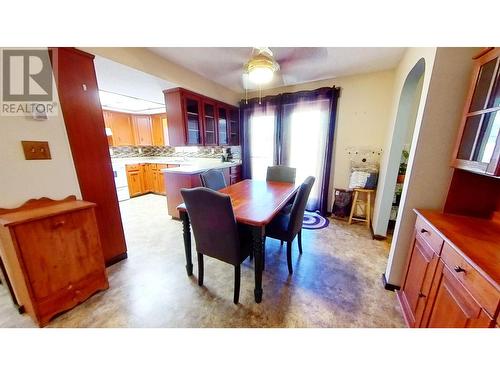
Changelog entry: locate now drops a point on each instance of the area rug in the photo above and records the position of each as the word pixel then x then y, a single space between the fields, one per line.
pixel 313 220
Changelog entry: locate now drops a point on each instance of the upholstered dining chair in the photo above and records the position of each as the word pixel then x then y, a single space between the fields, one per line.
pixel 281 173
pixel 213 179
pixel 216 231
pixel 286 226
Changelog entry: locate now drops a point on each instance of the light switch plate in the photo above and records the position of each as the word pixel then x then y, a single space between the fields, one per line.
pixel 36 150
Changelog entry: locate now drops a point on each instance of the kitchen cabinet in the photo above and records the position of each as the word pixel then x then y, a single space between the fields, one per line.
pixel 453 305
pixel 142 130
pixel 135 180
pixel 121 128
pixel 234 174
pixel 194 119
pixel 234 125
pixel 452 277
pixel 209 123
pixel 222 125
pixel 478 146
pixel 53 255
pixel 159 129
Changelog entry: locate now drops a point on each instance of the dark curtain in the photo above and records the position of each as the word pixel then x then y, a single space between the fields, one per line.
pixel 304 129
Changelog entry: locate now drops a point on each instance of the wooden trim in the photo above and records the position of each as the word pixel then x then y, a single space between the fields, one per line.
pixel 388 286
pixel 482 52
pixel 116 259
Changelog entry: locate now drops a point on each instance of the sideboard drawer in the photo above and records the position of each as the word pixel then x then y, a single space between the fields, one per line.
pixel 429 235
pixel 480 288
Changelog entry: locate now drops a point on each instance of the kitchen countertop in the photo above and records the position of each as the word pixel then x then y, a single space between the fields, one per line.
pixel 186 165
pixel 200 167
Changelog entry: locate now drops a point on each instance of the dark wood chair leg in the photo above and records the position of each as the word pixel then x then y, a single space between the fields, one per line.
pixel 289 256
pixel 300 241
pixel 264 254
pixel 237 276
pixel 200 269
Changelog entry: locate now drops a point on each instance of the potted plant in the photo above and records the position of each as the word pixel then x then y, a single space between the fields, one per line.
pixel 402 166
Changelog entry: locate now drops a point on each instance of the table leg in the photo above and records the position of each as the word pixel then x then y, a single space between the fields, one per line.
pixel 258 246
pixel 186 232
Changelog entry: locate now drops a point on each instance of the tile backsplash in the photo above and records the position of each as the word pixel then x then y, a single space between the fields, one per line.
pixel 167 151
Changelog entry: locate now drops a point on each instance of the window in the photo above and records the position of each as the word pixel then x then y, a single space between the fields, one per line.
pixel 261 144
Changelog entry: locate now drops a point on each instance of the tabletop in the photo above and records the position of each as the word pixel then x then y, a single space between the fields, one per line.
pixel 257 202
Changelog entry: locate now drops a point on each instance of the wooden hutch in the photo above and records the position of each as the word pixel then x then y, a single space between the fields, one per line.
pixel 453 273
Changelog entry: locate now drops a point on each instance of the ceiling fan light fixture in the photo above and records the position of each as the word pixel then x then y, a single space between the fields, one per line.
pixel 261 68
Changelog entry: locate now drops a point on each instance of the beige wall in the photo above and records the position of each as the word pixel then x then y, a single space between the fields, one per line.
pixel 144 60
pixel 22 179
pixel 362 117
pixel 429 173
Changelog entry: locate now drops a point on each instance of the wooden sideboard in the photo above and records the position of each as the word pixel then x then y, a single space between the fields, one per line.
pixel 52 255
pixel 453 273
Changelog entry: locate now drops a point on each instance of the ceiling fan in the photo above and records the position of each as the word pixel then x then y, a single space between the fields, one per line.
pixel 263 67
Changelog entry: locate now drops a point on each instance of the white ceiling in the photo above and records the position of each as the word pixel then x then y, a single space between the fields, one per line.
pixel 224 65
pixel 113 77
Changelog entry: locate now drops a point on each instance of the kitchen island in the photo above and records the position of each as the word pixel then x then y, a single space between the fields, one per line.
pixel 188 176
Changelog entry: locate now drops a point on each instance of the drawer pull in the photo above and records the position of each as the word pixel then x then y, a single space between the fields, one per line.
pixel 459 269
pixel 58 224
pixel 424 230
pixel 421 295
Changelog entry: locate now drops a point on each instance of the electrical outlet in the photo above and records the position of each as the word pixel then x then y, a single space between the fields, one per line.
pixel 36 150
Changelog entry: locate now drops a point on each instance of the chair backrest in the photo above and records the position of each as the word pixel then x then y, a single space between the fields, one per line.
pixel 281 173
pixel 299 205
pixel 213 179
pixel 214 225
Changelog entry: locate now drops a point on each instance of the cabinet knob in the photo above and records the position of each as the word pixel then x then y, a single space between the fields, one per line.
pixel 459 269
pixel 424 230
pixel 58 224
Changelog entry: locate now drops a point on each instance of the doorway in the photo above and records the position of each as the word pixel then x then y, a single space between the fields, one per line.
pixel 398 154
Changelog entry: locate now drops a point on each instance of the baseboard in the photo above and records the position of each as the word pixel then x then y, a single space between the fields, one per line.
pixel 376 236
pixel 116 259
pixel 388 286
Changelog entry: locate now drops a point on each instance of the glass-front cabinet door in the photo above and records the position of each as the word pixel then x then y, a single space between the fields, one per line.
pixel 222 126
pixel 479 146
pixel 193 120
pixel 209 126
pixel 234 126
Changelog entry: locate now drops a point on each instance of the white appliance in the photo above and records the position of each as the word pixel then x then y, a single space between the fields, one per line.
pixel 120 174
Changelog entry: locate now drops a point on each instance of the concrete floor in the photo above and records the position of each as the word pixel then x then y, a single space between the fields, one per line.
pixel 336 282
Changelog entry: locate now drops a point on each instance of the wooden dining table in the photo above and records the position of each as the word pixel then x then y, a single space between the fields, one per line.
pixel 255 203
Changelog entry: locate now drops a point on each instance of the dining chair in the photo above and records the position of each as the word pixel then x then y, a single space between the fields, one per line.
pixel 286 226
pixel 216 231
pixel 213 179
pixel 281 173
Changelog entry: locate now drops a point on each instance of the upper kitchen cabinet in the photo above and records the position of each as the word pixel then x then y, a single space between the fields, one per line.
pixel 159 129
pixel 194 119
pixel 209 123
pixel 234 125
pixel 478 146
pixel 120 125
pixel 142 130
pixel 222 125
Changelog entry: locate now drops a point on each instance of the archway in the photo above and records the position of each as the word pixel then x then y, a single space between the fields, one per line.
pixel 402 136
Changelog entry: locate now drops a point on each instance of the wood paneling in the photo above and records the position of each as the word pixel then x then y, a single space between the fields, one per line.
pixel 80 106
